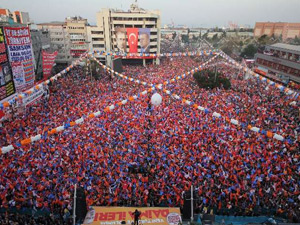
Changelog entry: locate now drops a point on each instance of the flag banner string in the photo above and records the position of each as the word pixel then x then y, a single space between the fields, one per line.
pixel 45 135
pixel 282 88
pixel 154 55
pixel 37 87
pixel 268 134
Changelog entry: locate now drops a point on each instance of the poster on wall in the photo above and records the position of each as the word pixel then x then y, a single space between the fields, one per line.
pixel 20 56
pixel 144 36
pixel 121 39
pixel 48 62
pixel 7 87
pixel 132 34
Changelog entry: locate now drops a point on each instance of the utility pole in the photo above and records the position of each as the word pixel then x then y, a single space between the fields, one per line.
pixel 74 208
pixel 215 74
pixel 192 204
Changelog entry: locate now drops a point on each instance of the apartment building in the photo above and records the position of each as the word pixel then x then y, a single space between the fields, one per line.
pixel 128 32
pixel 59 40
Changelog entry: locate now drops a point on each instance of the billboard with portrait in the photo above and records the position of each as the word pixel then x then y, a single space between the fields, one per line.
pixel 120 41
pixel 144 36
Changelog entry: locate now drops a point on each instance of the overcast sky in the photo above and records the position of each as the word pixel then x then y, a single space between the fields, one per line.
pixel 193 13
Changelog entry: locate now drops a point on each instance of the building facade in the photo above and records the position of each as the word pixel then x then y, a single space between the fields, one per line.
pixel 7 17
pixel 77 31
pixel 59 40
pixel 111 32
pixel 285 30
pixel 21 17
pixel 40 40
pixel 280 62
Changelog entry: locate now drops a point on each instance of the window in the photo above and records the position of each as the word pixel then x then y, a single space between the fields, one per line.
pixel 98 46
pixel 96 32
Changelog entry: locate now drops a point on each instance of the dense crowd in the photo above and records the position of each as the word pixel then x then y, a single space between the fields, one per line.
pixel 150 156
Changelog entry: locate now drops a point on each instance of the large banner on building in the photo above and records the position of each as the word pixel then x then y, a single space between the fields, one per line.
pixel 121 39
pixel 144 36
pixel 7 87
pixel 48 62
pixel 115 215
pixel 132 34
pixel 20 56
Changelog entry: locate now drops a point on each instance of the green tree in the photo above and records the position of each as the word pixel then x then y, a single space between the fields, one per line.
pixel 211 79
pixel 185 38
pixel 227 49
pixel 174 35
pixel 249 51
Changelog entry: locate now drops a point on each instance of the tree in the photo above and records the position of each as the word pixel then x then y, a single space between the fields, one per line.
pixel 174 35
pixel 227 49
pixel 185 38
pixel 211 79
pixel 249 51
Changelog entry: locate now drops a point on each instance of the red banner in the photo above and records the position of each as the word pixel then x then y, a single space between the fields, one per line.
pixel 132 34
pixel 48 61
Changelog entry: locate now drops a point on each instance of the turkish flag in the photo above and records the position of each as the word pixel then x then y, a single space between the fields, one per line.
pixel 132 34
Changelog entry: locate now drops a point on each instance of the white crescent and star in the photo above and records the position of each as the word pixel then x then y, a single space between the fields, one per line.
pixel 130 35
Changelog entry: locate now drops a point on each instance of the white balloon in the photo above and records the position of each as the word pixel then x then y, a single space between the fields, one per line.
pixel 156 99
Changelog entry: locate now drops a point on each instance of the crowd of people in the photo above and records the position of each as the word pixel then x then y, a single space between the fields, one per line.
pixel 143 155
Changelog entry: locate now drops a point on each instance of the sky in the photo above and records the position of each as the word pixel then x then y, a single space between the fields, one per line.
pixel 192 13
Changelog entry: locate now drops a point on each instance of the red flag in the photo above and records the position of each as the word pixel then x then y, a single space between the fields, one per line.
pixel 132 34
pixel 48 61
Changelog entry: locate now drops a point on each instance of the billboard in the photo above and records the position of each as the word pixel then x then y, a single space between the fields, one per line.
pixel 20 54
pixel 7 87
pixel 115 215
pixel 144 36
pixel 121 39
pixel 48 62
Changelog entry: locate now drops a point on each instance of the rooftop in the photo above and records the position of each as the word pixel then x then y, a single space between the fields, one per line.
pixel 287 47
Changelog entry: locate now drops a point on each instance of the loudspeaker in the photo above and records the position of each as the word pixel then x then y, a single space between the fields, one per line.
pixel 81 208
pixel 117 65
pixel 186 212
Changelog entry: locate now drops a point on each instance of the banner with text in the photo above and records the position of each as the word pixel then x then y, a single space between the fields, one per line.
pixel 20 56
pixel 7 87
pixel 132 34
pixel 48 62
pixel 115 215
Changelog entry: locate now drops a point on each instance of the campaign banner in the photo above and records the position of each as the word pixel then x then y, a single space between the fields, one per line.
pixel 116 215
pixel 120 34
pixel 20 56
pixel 48 62
pixel 132 34
pixel 32 98
pixel 7 87
pixel 144 36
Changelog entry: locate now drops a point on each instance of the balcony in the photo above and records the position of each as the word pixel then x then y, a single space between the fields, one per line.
pixel 271 58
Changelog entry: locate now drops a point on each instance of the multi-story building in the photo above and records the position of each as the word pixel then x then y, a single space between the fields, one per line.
pixel 59 40
pixel 7 17
pixel 113 32
pixel 21 17
pixel 285 30
pixel 40 40
pixel 280 62
pixel 77 30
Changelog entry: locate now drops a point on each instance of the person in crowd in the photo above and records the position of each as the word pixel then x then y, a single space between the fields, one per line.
pixel 233 169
